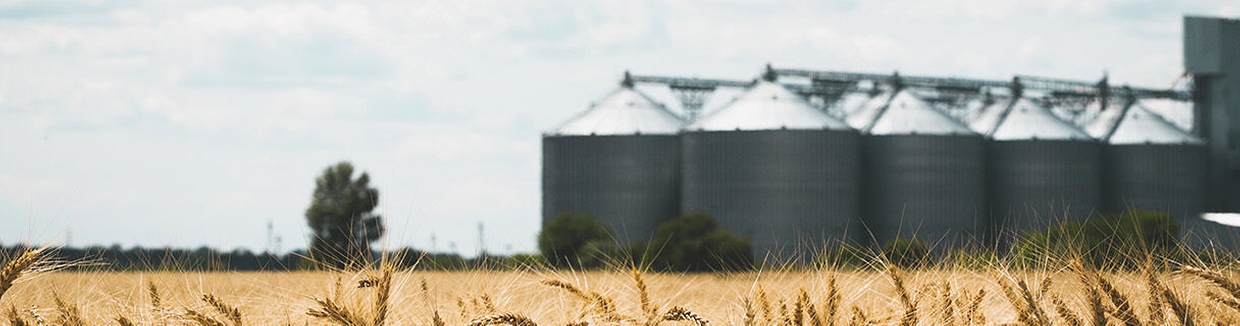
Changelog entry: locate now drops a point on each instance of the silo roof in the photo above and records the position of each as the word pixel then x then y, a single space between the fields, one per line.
pixel 768 106
pixel 1141 126
pixel 985 120
pixel 863 116
pixel 623 112
pixel 1027 120
pixel 907 114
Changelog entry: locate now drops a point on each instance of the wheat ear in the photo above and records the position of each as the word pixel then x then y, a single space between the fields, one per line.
pixel 16 267
pixel 1070 318
pixel 69 314
pixel 502 319
pixel 15 318
pixel 333 312
pixel 910 308
pixel 681 314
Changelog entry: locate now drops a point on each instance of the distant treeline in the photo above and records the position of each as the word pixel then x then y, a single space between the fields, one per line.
pixel 116 258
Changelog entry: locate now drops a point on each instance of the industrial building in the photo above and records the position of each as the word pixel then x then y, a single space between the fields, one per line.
pixel 805 158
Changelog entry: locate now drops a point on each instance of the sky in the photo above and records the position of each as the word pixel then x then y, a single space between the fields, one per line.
pixel 198 123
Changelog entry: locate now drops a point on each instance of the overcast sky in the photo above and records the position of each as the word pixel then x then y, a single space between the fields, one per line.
pixel 191 123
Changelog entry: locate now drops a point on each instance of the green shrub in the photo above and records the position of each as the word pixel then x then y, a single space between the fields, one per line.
pixel 562 239
pixel 905 253
pixel 975 259
pixel 845 256
pixel 695 243
pixel 1124 240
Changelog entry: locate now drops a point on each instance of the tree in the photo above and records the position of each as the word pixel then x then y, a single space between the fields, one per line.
pixel 695 243
pixel 340 218
pixel 563 238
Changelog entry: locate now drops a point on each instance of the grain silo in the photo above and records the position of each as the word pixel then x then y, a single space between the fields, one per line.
pixel 925 176
pixel 774 169
pixel 618 161
pixel 1042 169
pixel 1151 164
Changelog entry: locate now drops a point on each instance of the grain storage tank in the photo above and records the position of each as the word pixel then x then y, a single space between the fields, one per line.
pixel 925 176
pixel 772 168
pixel 618 161
pixel 1152 164
pixel 1042 169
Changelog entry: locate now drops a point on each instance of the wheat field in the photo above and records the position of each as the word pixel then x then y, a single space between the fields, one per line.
pixel 34 293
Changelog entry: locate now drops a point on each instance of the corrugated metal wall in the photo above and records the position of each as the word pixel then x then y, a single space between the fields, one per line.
pixel 1167 177
pixel 787 190
pixel 931 187
pixel 1035 183
pixel 631 184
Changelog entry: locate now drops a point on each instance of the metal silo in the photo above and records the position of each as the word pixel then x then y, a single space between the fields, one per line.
pixel 618 161
pixel 1042 170
pixel 925 176
pixel 1151 164
pixel 774 169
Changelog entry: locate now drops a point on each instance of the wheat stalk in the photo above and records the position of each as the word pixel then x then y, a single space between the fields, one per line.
pixel 833 299
pixel 811 310
pixel 16 267
pixel 122 321
pixel 1122 306
pixel 973 311
pixel 910 308
pixel 1214 277
pixel 202 319
pixel 948 315
pixel 383 293
pixel 336 313
pixel 750 314
pixel 681 314
pixel 1070 318
pixel 602 305
pixel 1024 312
pixel 765 304
pixel 502 319
pixel 1093 294
pixel 436 320
pixel 858 317
pixel 644 297
pixel 232 313
pixel 69 314
pixel 15 319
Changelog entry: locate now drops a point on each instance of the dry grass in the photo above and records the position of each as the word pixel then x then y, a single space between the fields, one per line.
pixel 1080 296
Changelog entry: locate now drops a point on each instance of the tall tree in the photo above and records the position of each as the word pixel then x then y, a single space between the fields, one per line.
pixel 340 218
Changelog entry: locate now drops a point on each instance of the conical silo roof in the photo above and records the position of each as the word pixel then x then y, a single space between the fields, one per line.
pixel 1140 126
pixel 623 112
pixel 863 116
pixel 1100 125
pixel 907 114
pixel 1027 120
pixel 768 106
pixel 984 120
pixel 850 103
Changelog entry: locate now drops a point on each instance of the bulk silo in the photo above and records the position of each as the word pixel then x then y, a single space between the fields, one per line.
pixel 618 161
pixel 1151 164
pixel 772 168
pixel 1042 170
pixel 925 176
